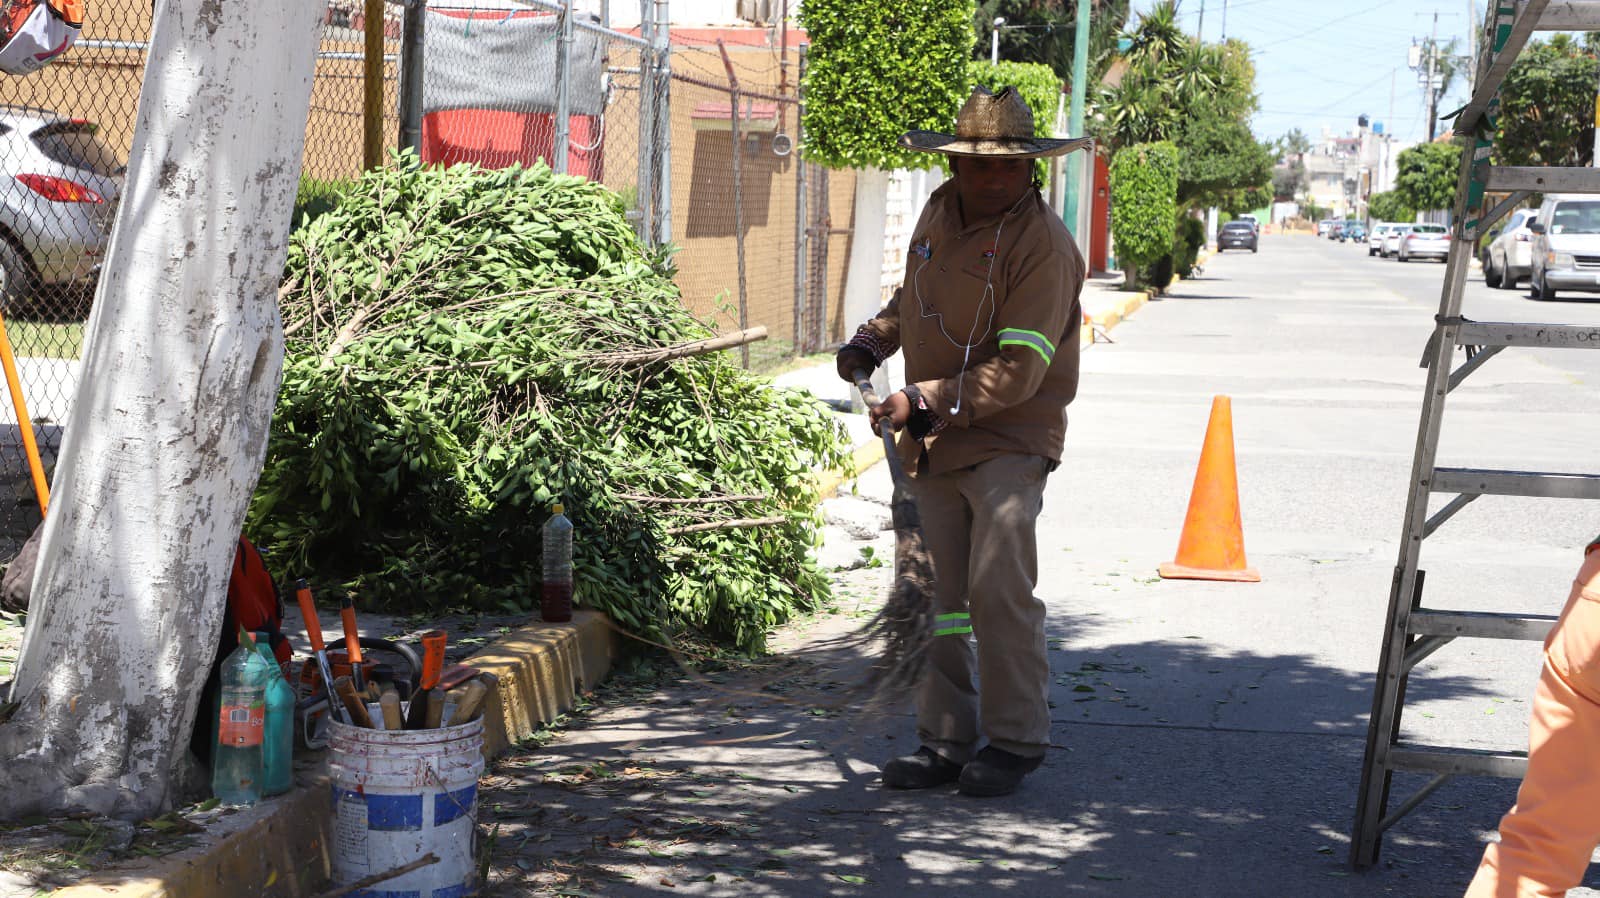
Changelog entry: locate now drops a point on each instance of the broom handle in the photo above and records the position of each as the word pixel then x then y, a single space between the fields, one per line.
pixel 897 471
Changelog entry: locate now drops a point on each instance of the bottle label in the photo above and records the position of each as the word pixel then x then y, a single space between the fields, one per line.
pixel 242 725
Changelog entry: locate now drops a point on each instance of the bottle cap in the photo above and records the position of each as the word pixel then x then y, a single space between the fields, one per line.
pixel 558 508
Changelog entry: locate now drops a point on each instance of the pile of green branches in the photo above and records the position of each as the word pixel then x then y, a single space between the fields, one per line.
pixel 466 347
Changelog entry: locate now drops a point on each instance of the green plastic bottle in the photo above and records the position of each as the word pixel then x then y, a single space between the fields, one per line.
pixel 236 766
pixel 277 743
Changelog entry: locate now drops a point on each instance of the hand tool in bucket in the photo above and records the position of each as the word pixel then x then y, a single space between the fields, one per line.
pixel 308 611
pixel 905 624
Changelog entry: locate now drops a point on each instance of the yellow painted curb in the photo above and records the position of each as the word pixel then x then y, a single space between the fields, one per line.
pixel 828 482
pixel 281 848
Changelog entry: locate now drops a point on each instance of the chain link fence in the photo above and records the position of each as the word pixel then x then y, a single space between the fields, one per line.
pixel 701 141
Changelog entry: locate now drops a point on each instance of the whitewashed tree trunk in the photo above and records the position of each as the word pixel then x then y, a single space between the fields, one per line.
pixel 169 426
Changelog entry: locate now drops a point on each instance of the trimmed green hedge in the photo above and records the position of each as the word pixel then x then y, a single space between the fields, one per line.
pixel 1144 203
pixel 877 70
pixel 1186 243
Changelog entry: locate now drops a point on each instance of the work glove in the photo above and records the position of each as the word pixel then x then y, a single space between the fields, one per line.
pixel 851 359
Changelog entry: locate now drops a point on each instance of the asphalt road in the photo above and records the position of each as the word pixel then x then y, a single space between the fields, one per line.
pixel 1208 735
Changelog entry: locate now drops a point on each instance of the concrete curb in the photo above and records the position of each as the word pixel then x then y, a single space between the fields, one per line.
pixel 282 848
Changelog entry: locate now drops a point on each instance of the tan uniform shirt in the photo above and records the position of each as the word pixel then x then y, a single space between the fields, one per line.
pixel 988 319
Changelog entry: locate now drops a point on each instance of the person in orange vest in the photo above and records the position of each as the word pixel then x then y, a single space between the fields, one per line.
pixel 1547 837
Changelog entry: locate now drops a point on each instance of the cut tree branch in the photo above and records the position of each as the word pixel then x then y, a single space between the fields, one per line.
pixel 735 524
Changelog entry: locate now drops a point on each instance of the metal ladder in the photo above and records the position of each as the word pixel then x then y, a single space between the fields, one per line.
pixel 1413 632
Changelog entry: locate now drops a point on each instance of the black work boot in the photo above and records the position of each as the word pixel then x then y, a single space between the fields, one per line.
pixel 922 770
pixel 996 771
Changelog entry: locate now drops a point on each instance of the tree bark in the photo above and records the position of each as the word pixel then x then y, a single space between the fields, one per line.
pixel 169 426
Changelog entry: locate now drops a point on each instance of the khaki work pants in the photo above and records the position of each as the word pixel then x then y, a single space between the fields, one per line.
pixel 979 523
pixel 1548 836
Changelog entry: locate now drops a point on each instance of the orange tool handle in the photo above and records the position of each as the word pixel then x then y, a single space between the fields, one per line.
pixel 352 637
pixel 432 657
pixel 308 611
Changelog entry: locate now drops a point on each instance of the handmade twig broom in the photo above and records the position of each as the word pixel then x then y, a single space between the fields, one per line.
pixel 905 623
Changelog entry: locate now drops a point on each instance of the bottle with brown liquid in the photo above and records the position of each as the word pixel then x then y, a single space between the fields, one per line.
pixel 555 590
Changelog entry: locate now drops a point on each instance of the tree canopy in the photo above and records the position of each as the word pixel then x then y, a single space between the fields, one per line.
pixel 1547 105
pixel 1219 156
pixel 1426 175
pixel 877 70
pixel 1043 31
pixel 1389 206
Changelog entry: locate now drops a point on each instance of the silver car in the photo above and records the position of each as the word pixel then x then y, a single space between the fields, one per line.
pixel 1425 241
pixel 1391 240
pixel 59 187
pixel 1509 256
pixel 1376 236
pixel 1566 246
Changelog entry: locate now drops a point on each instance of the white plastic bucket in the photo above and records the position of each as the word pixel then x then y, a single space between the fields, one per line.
pixel 398 795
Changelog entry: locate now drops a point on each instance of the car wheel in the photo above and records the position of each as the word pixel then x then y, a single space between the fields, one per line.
pixel 16 278
pixel 1402 257
pixel 1492 278
pixel 1545 292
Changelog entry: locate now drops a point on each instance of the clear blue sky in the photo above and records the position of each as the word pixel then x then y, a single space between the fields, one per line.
pixel 1325 62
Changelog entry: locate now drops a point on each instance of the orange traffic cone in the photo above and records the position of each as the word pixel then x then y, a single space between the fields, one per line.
pixel 1212 545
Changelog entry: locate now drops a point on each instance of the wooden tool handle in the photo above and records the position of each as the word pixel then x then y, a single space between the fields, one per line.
pixel 471 703
pixel 346 690
pixel 308 613
pixel 897 471
pixel 435 713
pixel 389 701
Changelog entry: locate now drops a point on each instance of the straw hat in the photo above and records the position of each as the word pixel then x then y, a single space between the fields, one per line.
pixel 993 124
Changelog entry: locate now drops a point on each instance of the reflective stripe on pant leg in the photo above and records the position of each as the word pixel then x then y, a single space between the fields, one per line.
pixel 947 702
pixel 1006 495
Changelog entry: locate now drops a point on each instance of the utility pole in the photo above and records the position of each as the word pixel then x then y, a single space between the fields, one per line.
pixel 1433 89
pixel 1224 21
pixel 1200 30
pixel 1080 78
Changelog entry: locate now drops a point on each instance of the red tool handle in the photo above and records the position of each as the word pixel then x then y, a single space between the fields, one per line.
pixel 432 657
pixel 352 637
pixel 308 611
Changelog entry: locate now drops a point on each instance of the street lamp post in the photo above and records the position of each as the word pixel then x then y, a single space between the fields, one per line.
pixel 994 41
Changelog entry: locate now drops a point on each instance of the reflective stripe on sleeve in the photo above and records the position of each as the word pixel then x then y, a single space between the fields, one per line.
pixel 1034 340
pixel 958 623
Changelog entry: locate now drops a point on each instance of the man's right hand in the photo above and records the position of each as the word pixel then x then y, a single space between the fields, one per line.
pixel 852 359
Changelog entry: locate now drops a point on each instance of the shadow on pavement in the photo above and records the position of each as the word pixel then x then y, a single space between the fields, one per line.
pixel 1176 770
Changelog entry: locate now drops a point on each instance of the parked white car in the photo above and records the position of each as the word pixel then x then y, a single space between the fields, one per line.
pixel 1424 241
pixel 1391 240
pixel 1509 256
pixel 1376 236
pixel 1566 246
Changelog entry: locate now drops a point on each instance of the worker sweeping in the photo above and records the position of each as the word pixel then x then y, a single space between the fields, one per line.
pixel 1547 838
pixel 988 320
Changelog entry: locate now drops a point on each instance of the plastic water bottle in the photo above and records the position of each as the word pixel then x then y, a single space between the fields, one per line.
pixel 236 768
pixel 277 743
pixel 555 590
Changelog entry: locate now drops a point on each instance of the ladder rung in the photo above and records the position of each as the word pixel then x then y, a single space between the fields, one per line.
pixel 1515 483
pixel 1511 333
pixel 1480 624
pixel 1543 179
pixel 1456 761
pixel 1571 15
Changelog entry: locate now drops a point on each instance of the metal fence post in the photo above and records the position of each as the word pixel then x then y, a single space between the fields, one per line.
pixel 563 90
pixel 663 126
pixel 738 196
pixel 411 75
pixel 799 211
pixel 644 204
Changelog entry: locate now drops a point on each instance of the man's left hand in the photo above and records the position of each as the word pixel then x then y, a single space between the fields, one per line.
pixel 896 410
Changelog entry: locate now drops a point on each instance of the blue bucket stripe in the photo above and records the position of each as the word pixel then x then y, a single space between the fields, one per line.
pixel 459 890
pixel 381 893
pixel 448 806
pixel 394 813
